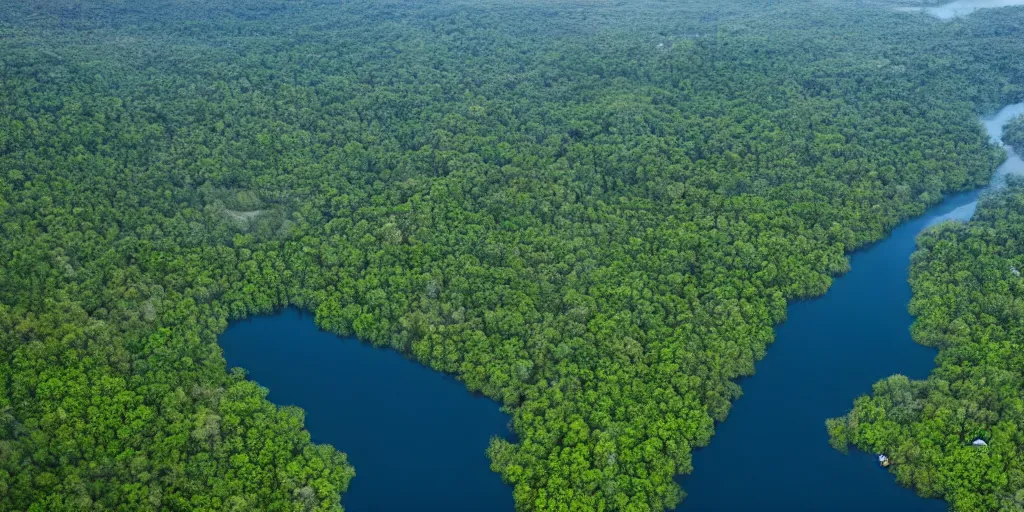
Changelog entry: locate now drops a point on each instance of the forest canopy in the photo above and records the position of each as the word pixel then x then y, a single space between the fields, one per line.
pixel 591 212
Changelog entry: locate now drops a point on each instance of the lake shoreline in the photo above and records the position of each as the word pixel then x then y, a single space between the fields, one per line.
pixel 416 437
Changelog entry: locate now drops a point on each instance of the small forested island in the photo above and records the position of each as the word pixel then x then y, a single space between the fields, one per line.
pixel 591 212
pixel 957 435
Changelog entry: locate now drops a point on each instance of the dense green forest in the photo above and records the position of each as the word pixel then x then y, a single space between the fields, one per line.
pixel 1013 133
pixel 593 212
pixel 968 297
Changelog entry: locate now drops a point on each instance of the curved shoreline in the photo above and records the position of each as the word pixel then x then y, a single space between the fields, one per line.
pixel 772 452
pixel 416 437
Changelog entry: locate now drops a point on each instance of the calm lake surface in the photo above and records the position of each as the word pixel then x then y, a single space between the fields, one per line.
pixel 772 452
pixel 416 437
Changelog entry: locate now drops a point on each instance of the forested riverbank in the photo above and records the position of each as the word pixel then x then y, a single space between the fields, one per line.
pixel 957 434
pixel 593 214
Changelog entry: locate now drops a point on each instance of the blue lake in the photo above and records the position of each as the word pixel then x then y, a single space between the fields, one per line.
pixel 416 437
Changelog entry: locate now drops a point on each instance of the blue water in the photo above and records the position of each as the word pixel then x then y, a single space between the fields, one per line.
pixel 772 452
pixel 416 437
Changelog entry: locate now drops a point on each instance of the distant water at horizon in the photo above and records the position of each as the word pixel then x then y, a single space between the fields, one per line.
pixel 961 7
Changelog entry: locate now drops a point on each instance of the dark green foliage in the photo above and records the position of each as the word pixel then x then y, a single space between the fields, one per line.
pixel 967 299
pixel 592 213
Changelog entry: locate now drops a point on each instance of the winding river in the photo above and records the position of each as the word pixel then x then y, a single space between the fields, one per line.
pixel 772 452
